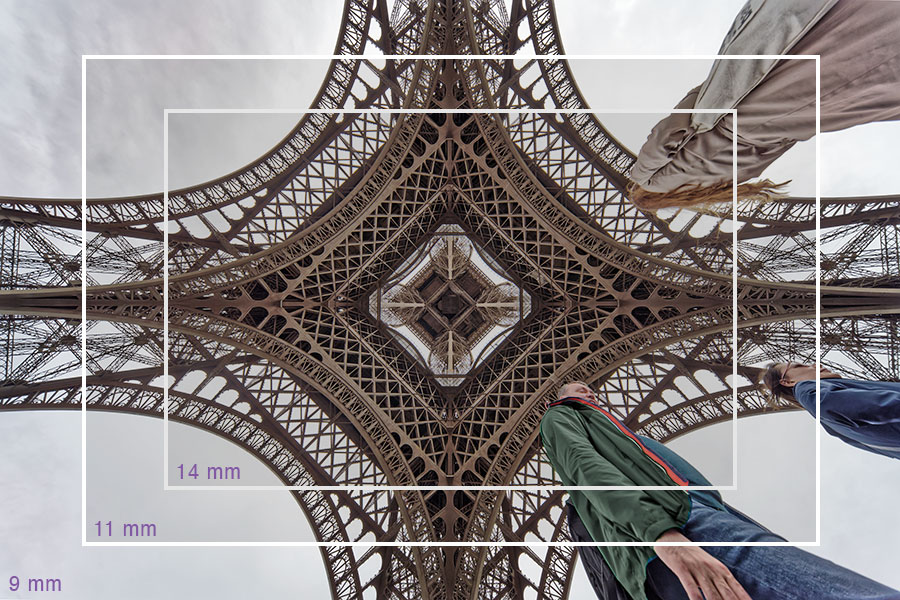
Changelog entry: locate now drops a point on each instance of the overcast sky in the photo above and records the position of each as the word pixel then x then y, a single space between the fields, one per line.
pixel 40 474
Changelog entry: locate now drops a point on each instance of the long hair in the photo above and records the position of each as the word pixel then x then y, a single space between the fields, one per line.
pixel 692 196
pixel 771 378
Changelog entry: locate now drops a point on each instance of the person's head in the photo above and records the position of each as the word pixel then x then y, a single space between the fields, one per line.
pixel 576 389
pixel 781 378
pixel 699 197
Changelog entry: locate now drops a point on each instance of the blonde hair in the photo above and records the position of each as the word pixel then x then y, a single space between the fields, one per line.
pixel 690 196
pixel 770 376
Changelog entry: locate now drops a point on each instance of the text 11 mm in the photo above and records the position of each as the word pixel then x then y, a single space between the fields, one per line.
pixel 36 585
pixel 128 529
pixel 211 472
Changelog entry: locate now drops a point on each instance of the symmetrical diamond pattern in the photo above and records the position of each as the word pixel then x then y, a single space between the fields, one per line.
pixel 449 305
pixel 392 297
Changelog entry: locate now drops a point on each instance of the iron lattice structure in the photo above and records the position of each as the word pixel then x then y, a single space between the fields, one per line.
pixel 277 299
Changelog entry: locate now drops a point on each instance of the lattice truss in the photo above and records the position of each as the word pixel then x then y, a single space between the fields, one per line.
pixel 272 269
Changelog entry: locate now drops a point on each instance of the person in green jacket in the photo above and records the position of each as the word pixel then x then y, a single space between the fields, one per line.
pixel 588 446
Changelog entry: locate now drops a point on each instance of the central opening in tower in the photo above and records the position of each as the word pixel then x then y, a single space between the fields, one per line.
pixel 450 305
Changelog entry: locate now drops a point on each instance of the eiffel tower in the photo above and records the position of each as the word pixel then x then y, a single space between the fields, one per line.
pixel 390 298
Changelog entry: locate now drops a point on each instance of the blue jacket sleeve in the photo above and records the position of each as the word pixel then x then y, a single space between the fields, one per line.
pixel 865 414
pixel 853 403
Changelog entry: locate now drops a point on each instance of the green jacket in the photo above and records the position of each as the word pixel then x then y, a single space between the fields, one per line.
pixel 588 446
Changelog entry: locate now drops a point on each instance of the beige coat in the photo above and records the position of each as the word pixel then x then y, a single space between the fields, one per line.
pixel 859 44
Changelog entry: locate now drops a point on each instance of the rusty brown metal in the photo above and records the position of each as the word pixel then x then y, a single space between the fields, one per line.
pixel 279 302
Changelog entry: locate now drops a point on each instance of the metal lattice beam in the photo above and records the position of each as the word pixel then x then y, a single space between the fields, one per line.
pixel 272 268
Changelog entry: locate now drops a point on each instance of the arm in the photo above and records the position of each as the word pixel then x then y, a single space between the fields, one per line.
pixel 698 571
pixel 662 145
pixel 864 414
pixel 863 403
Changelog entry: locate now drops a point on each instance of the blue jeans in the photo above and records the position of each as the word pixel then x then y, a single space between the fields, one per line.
pixel 766 572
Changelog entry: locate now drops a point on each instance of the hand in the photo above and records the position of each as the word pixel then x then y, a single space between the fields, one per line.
pixel 698 571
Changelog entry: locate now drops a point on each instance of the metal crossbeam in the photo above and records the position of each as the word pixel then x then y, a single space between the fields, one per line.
pixel 273 343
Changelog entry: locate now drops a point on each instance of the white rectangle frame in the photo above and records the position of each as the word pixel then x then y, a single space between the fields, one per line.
pixel 86 58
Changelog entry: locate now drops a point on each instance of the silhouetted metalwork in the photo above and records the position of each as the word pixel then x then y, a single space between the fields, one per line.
pixel 287 295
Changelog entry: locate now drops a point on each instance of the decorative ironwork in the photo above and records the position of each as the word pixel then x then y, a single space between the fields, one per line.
pixel 503 245
pixel 450 305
